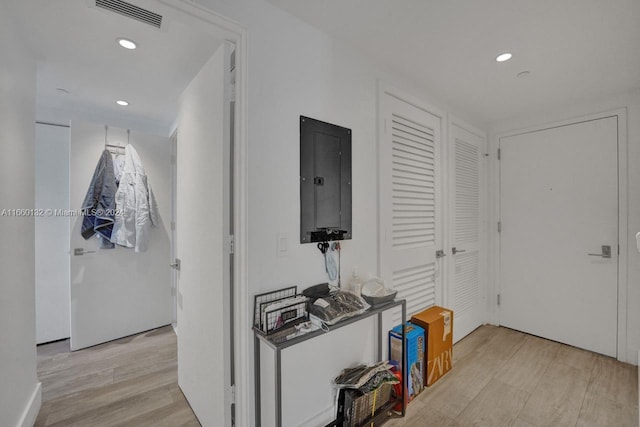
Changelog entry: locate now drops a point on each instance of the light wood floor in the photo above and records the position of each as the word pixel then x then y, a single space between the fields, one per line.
pixel 132 382
pixel 500 378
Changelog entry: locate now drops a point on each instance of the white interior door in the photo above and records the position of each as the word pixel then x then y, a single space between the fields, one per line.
pixel 52 233
pixel 117 292
pixel 409 154
pixel 559 204
pixel 203 169
pixel 467 264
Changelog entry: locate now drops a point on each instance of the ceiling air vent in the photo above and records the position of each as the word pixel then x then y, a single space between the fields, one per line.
pixel 132 11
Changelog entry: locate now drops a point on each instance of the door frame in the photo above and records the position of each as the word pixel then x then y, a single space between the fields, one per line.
pixel 235 33
pixel 621 115
pixel 173 141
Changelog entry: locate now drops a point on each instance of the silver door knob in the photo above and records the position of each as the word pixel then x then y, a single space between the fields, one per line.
pixel 176 264
pixel 606 252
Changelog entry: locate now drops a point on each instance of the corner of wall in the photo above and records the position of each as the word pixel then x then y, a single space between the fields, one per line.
pixel 32 409
pixel 20 394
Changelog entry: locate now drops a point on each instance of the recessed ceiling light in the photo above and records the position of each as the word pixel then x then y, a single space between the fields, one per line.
pixel 122 103
pixel 63 90
pixel 504 57
pixel 126 43
pixel 524 74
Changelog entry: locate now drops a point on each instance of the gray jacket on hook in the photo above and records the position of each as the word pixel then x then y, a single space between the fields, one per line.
pixel 98 208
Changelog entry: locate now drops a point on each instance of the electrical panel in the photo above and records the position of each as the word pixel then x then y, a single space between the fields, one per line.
pixel 325 181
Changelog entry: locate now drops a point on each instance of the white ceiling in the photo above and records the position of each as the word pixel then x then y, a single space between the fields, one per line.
pixel 77 50
pixel 575 50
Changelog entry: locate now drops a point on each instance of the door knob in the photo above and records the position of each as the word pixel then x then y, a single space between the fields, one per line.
pixel 606 252
pixel 457 251
pixel 176 264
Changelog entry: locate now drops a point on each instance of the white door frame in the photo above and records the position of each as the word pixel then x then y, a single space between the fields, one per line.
pixel 173 141
pixel 234 32
pixel 621 114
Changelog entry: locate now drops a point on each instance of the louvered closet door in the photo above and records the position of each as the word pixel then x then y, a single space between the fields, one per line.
pixel 465 290
pixel 409 217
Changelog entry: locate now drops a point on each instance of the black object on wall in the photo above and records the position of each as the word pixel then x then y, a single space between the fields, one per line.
pixel 325 181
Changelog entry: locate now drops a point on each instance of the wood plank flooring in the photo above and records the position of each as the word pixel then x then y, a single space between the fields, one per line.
pixel 500 378
pixel 132 382
pixel 503 377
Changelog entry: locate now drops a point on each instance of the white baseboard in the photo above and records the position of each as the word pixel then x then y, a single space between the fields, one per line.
pixel 30 413
pixel 322 418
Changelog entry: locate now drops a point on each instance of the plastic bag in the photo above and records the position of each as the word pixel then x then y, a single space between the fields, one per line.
pixel 338 306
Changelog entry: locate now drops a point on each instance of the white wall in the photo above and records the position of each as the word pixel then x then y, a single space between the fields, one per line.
pixel 117 292
pixel 630 101
pixel 19 388
pixel 52 233
pixel 50 114
pixel 296 70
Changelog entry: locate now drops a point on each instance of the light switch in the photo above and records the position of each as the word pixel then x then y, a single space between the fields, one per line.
pixel 282 244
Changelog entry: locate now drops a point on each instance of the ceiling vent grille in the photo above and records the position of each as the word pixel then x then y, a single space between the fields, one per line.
pixel 132 11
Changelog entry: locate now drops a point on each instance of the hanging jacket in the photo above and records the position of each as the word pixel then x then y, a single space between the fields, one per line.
pixel 98 207
pixel 118 165
pixel 136 207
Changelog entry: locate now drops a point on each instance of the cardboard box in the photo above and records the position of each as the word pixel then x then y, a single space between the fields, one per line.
pixel 438 325
pixel 415 354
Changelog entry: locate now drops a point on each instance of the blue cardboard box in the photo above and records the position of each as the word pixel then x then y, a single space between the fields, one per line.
pixel 414 354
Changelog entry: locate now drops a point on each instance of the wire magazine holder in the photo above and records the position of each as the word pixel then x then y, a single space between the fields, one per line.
pixel 279 309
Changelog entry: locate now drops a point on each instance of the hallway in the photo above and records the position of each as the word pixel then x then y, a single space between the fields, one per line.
pixel 500 377
pixel 132 381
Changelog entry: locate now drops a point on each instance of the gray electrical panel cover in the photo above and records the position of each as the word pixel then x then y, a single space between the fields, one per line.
pixel 325 181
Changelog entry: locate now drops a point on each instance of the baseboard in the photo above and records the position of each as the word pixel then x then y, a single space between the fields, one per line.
pixel 30 414
pixel 320 419
pixel 175 328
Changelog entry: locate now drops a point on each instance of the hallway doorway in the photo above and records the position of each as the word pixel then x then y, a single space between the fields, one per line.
pixel 132 381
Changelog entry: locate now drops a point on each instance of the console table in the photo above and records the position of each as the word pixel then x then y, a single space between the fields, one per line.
pixel 280 346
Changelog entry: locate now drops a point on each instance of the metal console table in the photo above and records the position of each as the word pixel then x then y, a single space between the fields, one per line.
pixel 278 347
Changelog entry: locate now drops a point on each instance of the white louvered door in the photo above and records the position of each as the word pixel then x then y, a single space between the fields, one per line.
pixel 466 236
pixel 409 202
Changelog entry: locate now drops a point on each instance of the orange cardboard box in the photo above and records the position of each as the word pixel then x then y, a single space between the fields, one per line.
pixel 438 327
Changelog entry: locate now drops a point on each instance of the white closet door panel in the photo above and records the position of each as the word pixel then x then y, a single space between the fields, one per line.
pixel 465 290
pixel 410 195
